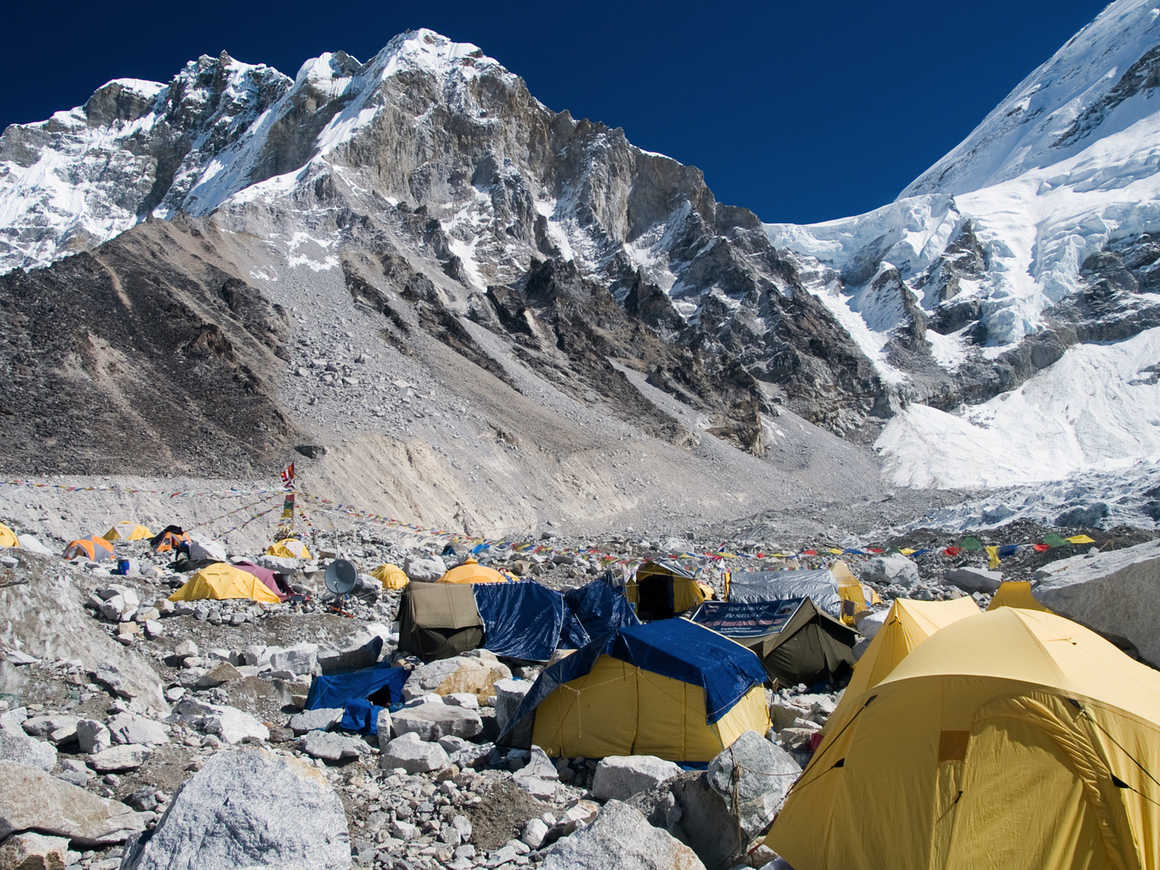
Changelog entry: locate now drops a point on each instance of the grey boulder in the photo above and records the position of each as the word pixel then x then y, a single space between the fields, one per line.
pixel 620 837
pixel 432 720
pixel 409 752
pixel 619 777
pixel 252 809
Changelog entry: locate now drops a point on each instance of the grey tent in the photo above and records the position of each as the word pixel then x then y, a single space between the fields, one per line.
pixel 795 640
pixel 439 620
pixel 834 589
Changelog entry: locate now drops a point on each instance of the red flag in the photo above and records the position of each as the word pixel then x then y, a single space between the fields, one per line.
pixel 1040 548
pixel 952 551
pixel 809 552
pixel 288 476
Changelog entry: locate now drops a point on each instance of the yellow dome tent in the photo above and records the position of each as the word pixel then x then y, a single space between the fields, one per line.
pixel 1014 738
pixel 127 531
pixel 661 590
pixel 472 572
pixel 907 624
pixel 288 548
pixel 1016 593
pixel 8 537
pixel 219 581
pixel 391 576
pixel 670 688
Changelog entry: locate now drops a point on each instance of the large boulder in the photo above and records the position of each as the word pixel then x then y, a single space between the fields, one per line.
pixel 434 719
pixel 735 800
pixel 34 852
pixel 972 579
pixel 22 749
pixel 46 618
pixel 229 723
pixel 619 777
pixel 250 809
pixel 411 753
pixel 475 674
pixel 620 837
pixel 32 800
pixel 129 728
pixel 1116 593
pixel 891 569
pixel 426 568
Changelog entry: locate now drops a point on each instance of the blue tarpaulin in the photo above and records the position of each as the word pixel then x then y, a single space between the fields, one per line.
pixel 746 619
pixel 352 692
pixel 600 606
pixel 520 620
pixel 674 648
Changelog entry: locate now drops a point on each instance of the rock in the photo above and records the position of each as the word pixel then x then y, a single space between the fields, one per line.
pixel 752 776
pixel 893 568
pixel 462 699
pixel 31 799
pixel 972 579
pixel 409 752
pixel 384 726
pixel 425 568
pixel 229 723
pixel 1086 516
pixel 92 736
pixel 129 728
pixel 33 545
pixel 118 758
pixel 508 696
pixel 534 833
pixel 218 675
pixel 1114 593
pixel 434 720
pixel 186 649
pixel 22 749
pixel 456 674
pixel 620 837
pixel 869 621
pixel 249 809
pixel 58 728
pixel 34 852
pixel 330 746
pixel 618 777
pixel 353 657
pixel 322 719
pixel 301 658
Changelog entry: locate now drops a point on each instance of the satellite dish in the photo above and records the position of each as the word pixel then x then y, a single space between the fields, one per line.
pixel 340 577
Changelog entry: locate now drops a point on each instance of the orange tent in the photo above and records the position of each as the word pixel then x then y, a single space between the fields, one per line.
pixel 95 548
pixel 472 572
pixel 169 541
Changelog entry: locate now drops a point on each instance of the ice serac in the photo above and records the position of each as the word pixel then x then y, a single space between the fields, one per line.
pixel 1020 253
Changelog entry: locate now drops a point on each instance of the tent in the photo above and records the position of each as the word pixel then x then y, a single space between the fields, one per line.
pixel 516 620
pixel 288 548
pixel 95 548
pixel 834 589
pixel 361 695
pixel 220 580
pixel 796 642
pixel 600 606
pixel 1014 738
pixel 268 577
pixel 661 590
pixel 1016 593
pixel 169 539
pixel 908 623
pixel 669 688
pixel 391 576
pixel 8 537
pixel 438 620
pixel 520 620
pixel 470 571
pixel 127 531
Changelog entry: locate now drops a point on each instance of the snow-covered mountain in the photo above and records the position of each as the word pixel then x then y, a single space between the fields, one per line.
pixel 1027 260
pixel 426 195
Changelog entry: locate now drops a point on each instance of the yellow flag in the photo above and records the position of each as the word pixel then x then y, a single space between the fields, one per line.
pixel 1081 539
pixel 835 551
pixel 906 551
pixel 992 556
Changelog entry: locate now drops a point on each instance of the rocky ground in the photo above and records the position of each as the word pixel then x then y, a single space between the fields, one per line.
pixel 125 713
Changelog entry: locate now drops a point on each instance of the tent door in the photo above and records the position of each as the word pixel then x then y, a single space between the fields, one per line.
pixel 1027 795
pixel 655 598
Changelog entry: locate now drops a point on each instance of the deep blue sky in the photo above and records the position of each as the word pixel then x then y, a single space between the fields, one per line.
pixel 800 111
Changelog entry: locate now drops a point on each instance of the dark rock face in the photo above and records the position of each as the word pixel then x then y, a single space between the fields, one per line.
pixel 160 359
